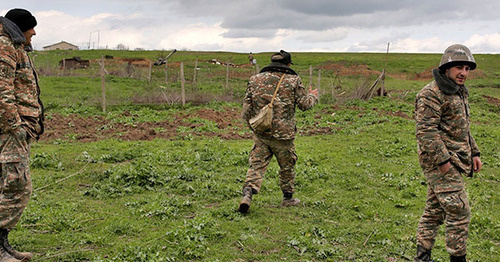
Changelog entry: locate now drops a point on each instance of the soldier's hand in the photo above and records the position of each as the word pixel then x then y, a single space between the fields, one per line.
pixel 314 92
pixel 476 164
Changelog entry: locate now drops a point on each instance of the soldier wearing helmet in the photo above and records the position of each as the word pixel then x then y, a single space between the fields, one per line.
pixel 446 151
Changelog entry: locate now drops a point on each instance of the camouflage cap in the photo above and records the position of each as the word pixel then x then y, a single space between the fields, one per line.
pixel 457 54
pixel 282 57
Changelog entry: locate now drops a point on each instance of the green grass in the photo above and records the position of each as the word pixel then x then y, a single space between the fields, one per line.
pixel 361 187
pixel 82 87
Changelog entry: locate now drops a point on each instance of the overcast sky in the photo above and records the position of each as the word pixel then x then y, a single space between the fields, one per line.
pixel 267 25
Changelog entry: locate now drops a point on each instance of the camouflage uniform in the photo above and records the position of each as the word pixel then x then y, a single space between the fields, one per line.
pixel 278 140
pixel 21 120
pixel 443 134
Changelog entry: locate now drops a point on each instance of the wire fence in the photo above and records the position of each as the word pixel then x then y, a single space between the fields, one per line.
pixel 193 82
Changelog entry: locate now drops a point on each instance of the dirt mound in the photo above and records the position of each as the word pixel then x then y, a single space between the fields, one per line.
pixel 341 69
pixel 95 128
pixel 352 70
pixel 427 75
pixel 492 100
pixel 224 123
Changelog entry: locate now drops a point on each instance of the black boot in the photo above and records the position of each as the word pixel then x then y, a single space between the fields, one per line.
pixel 458 259
pixel 246 200
pixel 289 201
pixel 423 255
pixel 4 239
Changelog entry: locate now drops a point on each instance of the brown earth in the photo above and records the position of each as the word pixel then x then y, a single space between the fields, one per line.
pixel 227 120
pixel 492 100
pixel 427 75
pixel 364 70
pixel 95 128
pixel 353 70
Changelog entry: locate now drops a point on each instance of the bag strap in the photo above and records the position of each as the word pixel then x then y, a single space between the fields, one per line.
pixel 276 91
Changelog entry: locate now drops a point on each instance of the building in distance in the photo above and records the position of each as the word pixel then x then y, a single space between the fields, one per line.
pixel 63 45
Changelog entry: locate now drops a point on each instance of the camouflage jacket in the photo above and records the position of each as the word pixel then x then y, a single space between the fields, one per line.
pixel 260 90
pixel 443 125
pixel 20 103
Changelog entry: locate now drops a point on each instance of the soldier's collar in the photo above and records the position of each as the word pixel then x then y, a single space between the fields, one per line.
pixel 13 30
pixel 445 84
pixel 278 67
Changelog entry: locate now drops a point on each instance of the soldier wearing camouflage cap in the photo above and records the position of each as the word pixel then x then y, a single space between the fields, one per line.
pixel 446 151
pixel 21 121
pixel 279 139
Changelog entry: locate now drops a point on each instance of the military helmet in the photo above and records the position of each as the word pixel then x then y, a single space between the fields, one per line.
pixel 457 54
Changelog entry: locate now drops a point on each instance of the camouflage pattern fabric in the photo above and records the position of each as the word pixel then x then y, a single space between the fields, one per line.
pixel 277 141
pixel 16 188
pixel 443 134
pixel 21 116
pixel 260 156
pixel 445 203
pixel 19 92
pixel 442 128
pixel 260 90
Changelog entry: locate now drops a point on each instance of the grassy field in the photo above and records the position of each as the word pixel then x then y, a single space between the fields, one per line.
pixel 361 186
pixel 341 73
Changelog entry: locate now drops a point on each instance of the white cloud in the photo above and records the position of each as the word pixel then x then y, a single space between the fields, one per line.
pixel 333 34
pixel 428 45
pixel 194 37
pixel 263 26
pixel 489 43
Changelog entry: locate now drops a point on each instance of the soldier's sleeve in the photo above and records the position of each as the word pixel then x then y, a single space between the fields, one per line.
pixel 9 116
pixel 475 148
pixel 303 99
pixel 428 117
pixel 247 105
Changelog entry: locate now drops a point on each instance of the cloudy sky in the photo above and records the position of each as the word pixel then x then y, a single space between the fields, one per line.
pixel 267 25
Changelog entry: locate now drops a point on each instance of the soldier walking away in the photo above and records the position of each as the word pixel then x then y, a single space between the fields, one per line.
pixel 21 121
pixel 446 151
pixel 250 58
pixel 279 139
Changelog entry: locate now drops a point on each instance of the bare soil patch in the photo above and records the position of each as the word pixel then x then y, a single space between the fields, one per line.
pixel 352 70
pixel 227 121
pixel 95 128
pixel 492 100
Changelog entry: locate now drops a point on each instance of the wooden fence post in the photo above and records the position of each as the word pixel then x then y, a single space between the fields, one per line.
pixel 103 85
pixel 150 71
pixel 319 82
pixel 382 87
pixel 333 90
pixel 64 66
pixel 183 81
pixel 227 76
pixel 310 75
pixel 194 74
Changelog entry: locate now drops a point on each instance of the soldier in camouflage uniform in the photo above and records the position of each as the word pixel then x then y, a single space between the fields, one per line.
pixel 21 121
pixel 279 139
pixel 446 151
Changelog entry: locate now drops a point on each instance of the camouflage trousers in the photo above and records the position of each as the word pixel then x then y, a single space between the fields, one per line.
pixel 260 156
pixel 446 202
pixel 15 180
